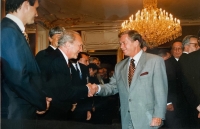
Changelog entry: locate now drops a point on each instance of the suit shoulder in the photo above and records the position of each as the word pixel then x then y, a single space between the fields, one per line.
pixel 153 57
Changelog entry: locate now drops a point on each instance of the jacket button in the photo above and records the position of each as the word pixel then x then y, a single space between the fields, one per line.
pixel 129 100
pixel 128 111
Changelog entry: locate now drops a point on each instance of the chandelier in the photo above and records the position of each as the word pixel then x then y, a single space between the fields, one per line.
pixel 155 25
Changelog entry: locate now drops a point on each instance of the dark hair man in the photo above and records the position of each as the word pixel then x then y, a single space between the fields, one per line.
pixel 83 58
pixel 20 80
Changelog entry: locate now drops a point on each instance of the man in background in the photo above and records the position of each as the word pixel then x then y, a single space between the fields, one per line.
pixel 173 114
pixel 83 58
pixel 54 35
pixel 189 78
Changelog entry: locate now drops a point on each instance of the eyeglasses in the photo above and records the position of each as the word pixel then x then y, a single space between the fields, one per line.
pixel 177 49
pixel 195 44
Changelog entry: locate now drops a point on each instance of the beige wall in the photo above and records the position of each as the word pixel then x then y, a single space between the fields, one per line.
pixel 3 13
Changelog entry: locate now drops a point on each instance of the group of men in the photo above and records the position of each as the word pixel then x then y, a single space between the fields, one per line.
pixel 182 67
pixel 48 90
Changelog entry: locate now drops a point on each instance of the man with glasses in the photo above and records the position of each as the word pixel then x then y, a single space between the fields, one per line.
pixel 188 76
pixel 175 115
pixel 190 43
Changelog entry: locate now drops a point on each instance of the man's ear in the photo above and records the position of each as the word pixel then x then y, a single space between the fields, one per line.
pixel 25 5
pixel 50 39
pixel 67 44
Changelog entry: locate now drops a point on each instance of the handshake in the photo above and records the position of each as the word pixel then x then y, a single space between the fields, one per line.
pixel 92 89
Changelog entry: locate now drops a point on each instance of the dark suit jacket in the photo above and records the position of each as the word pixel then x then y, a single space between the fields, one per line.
pixel 20 79
pixel 171 70
pixel 42 55
pixel 60 86
pixel 84 104
pixel 76 80
pixel 190 77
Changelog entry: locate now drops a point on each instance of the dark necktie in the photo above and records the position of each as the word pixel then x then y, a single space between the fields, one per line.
pixel 131 71
pixel 78 71
pixel 68 64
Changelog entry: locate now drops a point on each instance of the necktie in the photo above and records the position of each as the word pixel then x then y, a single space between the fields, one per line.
pixel 131 71
pixel 26 37
pixel 78 71
pixel 68 64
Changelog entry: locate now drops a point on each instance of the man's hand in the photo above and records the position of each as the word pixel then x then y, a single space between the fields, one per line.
pixel 48 100
pixel 73 107
pixel 93 88
pixel 89 115
pixel 199 115
pixel 170 107
pixel 156 121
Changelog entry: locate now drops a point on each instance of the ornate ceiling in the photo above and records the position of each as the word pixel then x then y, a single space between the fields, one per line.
pixel 108 14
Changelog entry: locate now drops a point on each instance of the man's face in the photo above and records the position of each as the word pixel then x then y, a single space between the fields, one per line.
pixel 75 47
pixel 84 60
pixel 92 72
pixel 177 49
pixel 32 12
pixel 128 47
pixel 54 40
pixel 97 62
pixel 101 72
pixel 193 44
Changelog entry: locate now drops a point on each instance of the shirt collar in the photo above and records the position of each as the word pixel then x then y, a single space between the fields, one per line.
pixel 136 57
pixel 17 21
pixel 177 59
pixel 66 58
pixel 77 66
pixel 53 47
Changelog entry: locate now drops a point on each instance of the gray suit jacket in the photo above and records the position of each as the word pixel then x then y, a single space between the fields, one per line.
pixel 147 96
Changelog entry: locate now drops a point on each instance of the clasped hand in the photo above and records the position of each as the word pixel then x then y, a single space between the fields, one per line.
pixel 92 89
pixel 48 100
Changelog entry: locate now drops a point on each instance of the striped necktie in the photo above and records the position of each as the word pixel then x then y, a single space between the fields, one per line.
pixel 26 37
pixel 131 71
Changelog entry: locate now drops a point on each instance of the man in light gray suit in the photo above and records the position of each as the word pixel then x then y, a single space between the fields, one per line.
pixel 143 102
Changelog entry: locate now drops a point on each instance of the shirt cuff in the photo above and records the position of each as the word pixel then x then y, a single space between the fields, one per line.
pixel 198 108
pixel 99 89
pixel 169 103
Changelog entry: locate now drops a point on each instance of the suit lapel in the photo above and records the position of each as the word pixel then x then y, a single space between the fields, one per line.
pixel 124 73
pixel 138 70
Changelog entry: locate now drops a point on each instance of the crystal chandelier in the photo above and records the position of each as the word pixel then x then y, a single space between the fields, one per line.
pixel 155 25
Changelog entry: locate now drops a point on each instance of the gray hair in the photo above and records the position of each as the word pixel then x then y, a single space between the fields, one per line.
pixel 55 30
pixel 67 36
pixel 186 39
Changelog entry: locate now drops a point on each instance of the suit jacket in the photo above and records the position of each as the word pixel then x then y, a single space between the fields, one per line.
pixel 76 80
pixel 60 88
pixel 42 55
pixel 20 79
pixel 190 77
pixel 171 70
pixel 147 96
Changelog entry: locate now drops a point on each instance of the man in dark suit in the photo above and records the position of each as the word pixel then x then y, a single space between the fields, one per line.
pixel 81 109
pixel 54 35
pixel 172 118
pixel 190 74
pixel 83 58
pixel 20 81
pixel 58 73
